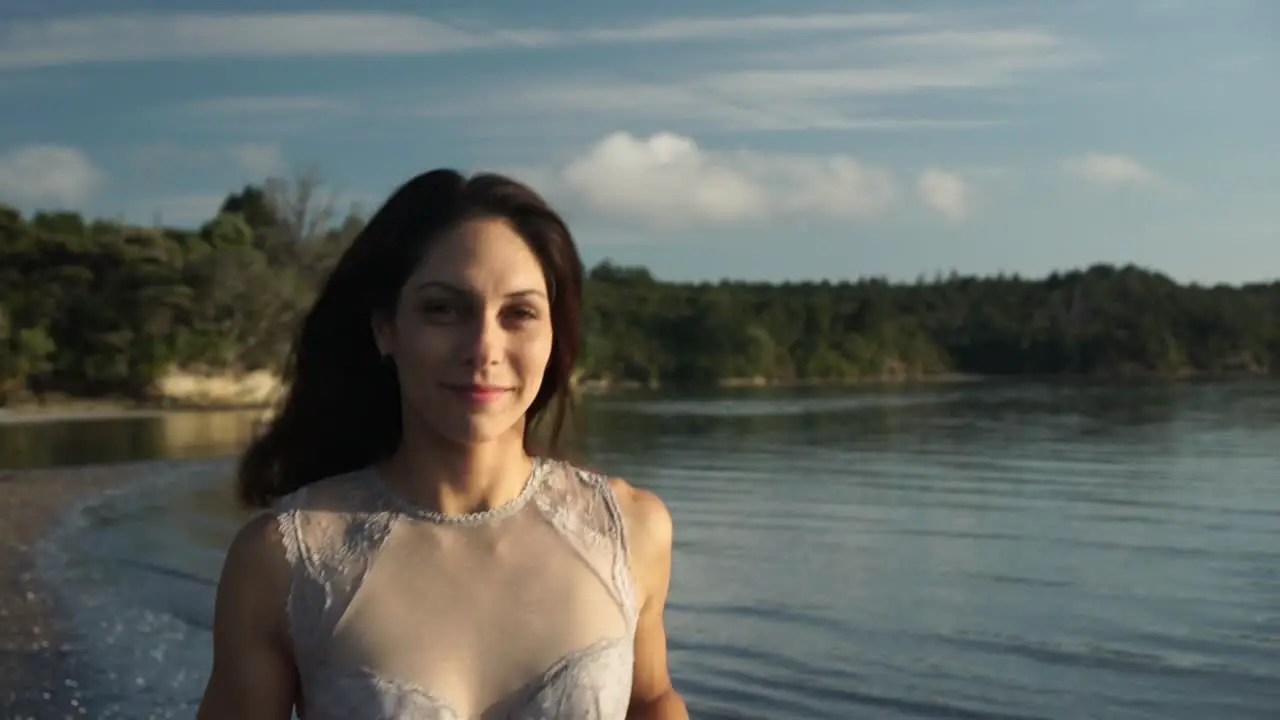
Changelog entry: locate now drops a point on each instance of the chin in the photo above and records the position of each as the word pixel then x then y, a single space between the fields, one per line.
pixel 476 433
pixel 474 428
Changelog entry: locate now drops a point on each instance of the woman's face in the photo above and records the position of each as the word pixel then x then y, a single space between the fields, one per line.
pixel 471 336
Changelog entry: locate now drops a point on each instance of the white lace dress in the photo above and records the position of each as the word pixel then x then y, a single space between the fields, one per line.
pixel 524 612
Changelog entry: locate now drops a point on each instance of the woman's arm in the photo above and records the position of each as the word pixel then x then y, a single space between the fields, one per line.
pixel 650 531
pixel 254 676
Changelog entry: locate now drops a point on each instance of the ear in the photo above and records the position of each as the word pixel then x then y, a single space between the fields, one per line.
pixel 383 333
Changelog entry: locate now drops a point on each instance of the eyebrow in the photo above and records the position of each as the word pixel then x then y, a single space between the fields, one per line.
pixel 464 291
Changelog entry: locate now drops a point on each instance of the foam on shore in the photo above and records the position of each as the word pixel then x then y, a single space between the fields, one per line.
pixel 145 651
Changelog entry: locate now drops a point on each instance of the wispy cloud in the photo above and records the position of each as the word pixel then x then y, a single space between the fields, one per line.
pixel 804 71
pixel 256 160
pixel 48 175
pixel 267 105
pixel 666 180
pixel 1111 170
pixel 117 38
pixel 693 104
pixel 903 63
pixel 152 37
pixel 973 40
pixel 726 28
pixel 828 88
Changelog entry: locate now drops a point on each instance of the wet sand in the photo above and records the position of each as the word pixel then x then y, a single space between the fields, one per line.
pixel 40 672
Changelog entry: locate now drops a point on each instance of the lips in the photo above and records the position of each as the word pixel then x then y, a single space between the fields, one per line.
pixel 477 392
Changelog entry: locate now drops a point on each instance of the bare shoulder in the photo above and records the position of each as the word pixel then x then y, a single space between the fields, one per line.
pixel 258 544
pixel 650 528
pixel 256 576
pixel 651 532
pixel 253 675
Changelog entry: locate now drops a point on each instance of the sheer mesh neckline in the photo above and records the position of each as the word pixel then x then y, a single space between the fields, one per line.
pixel 403 505
pixel 382 606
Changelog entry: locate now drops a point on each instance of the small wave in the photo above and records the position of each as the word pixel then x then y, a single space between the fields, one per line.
pixel 147 661
pixel 1101 656
pixel 768 407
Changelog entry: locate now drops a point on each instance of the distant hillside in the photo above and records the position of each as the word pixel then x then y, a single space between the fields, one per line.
pixel 92 308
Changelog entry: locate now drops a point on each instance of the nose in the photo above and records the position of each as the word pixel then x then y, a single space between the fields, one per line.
pixel 485 345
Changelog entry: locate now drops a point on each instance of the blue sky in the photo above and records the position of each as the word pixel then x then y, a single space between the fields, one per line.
pixel 747 139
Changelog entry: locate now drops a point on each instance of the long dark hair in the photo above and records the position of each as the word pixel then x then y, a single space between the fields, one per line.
pixel 342 407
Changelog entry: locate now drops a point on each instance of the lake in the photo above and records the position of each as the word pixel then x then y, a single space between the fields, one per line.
pixel 986 550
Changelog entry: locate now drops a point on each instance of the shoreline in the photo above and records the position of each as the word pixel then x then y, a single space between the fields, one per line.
pixel 75 411
pixel 41 671
pixel 69 409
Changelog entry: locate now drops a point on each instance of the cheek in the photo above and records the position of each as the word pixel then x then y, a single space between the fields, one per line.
pixel 425 347
pixel 534 351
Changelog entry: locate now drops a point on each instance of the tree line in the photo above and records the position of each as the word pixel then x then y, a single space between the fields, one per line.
pixel 95 308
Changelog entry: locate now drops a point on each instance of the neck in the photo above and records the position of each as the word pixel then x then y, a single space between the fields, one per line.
pixel 457 479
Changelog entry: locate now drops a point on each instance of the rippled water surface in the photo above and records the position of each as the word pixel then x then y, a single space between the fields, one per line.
pixel 986 551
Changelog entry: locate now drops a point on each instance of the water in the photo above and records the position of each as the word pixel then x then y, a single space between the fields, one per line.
pixel 981 551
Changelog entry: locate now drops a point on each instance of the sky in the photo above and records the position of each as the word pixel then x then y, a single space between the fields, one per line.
pixel 704 140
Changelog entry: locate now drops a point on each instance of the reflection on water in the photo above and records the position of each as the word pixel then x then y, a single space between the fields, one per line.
pixel 177 435
pixel 978 551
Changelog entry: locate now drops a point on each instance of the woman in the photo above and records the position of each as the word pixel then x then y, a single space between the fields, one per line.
pixel 418 558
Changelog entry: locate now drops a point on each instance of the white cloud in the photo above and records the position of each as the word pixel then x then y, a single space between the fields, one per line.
pixel 946 193
pixel 116 38
pixel 666 180
pixel 1110 170
pixel 48 175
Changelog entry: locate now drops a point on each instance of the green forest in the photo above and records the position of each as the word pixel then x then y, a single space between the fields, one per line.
pixel 94 308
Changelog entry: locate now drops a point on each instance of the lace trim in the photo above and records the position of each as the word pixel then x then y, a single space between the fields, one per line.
pixel 404 506
pixel 581 505
pixel 286 518
pixel 604 662
pixel 623 575
pixel 302 599
pixel 324 576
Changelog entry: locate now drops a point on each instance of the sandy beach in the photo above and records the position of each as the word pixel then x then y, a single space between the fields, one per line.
pixel 40 672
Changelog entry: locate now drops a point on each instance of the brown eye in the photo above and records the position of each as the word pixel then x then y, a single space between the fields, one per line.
pixel 522 313
pixel 439 309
